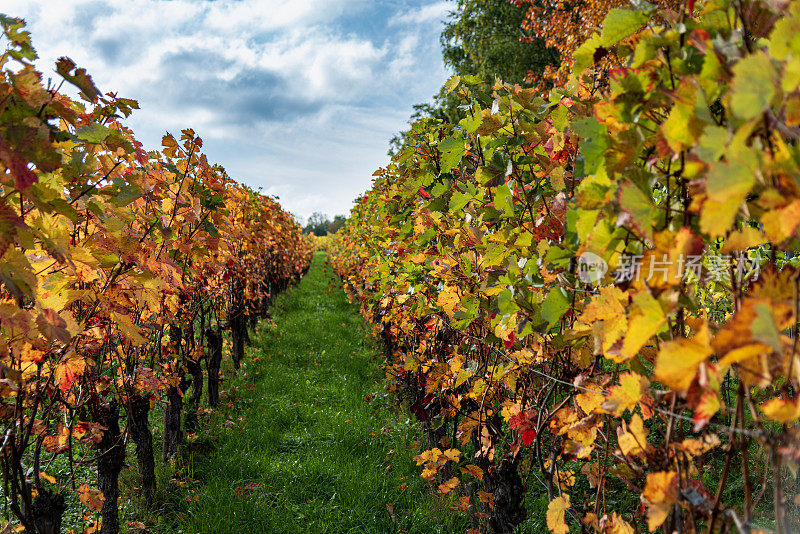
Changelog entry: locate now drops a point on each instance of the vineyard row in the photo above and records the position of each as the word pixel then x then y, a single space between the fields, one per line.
pixel 120 271
pixel 487 256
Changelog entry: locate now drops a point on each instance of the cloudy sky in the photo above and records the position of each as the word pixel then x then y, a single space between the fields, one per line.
pixel 299 97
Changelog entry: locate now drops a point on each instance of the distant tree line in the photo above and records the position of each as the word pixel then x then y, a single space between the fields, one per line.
pixel 319 224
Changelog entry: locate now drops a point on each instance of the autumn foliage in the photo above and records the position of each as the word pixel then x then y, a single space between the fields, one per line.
pixel 119 269
pixel 664 397
pixel 565 25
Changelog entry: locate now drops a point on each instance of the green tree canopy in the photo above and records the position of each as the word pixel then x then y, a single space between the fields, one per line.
pixel 319 224
pixel 482 37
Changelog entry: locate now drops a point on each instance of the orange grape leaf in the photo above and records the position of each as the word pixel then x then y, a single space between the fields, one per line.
pixel 694 446
pixel 449 485
pixel 30 354
pixel 660 493
pixel 473 470
pixel 91 498
pixel 743 239
pixel 782 410
pixel 759 320
pixel 88 432
pixel 705 407
pixel 69 369
pixel 486 497
pixel 452 455
pixel 57 444
pixel 678 361
pixel 779 224
pixel 556 513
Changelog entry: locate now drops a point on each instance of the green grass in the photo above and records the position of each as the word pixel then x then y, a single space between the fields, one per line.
pixel 297 427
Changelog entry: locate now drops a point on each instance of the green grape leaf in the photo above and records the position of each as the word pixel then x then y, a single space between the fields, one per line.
pixel 452 149
pixel 554 306
pixel 635 203
pixel 93 133
pixel 754 86
pixel 621 23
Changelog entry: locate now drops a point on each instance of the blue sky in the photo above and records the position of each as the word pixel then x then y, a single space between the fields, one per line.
pixel 298 97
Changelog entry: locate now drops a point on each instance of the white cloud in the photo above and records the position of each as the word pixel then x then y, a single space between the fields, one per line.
pixel 436 12
pixel 297 96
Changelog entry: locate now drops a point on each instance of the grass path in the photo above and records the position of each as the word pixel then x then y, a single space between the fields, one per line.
pixel 298 448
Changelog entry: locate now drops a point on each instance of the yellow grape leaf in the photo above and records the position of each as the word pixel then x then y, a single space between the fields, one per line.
pixel 448 486
pixel 608 303
pixel 678 361
pixel 633 440
pixel 126 326
pixel 660 493
pixel 589 400
pixel 50 478
pixel 615 525
pixel 418 258
pixel 449 300
pixel 647 319
pixel 742 353
pixel 556 513
pixel 564 479
pixel 782 410
pixel 745 238
pixel 582 356
pixel 8 388
pixel 429 471
pixel 524 356
pixel 605 317
pixel 630 390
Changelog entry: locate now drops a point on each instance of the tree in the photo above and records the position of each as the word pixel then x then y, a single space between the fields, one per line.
pixel 565 25
pixel 338 222
pixel 485 38
pixel 317 224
